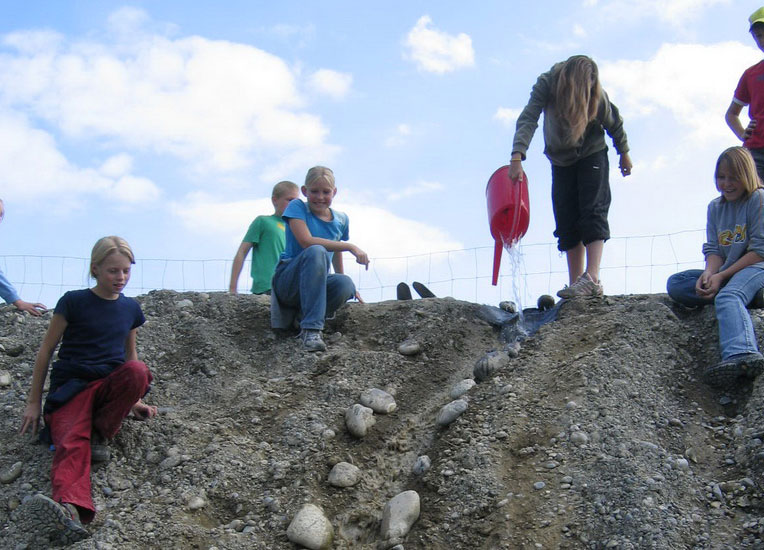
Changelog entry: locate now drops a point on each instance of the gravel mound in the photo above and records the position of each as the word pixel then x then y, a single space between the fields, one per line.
pixel 597 433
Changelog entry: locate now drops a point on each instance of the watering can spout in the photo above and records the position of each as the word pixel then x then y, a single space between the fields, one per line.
pixel 508 212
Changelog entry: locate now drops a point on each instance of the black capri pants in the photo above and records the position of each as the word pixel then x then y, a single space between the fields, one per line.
pixel 581 200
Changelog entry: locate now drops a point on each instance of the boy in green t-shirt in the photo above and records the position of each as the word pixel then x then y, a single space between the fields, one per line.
pixel 266 236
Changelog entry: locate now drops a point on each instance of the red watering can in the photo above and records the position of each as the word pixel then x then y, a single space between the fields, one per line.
pixel 508 212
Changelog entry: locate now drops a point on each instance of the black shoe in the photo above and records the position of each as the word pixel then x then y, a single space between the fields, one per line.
pixel 758 300
pixel 57 521
pixel 422 290
pixel 728 373
pixel 403 291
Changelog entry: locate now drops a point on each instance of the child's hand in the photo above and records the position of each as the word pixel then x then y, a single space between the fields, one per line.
pixel 141 411
pixel 360 256
pixel 625 164
pixel 30 419
pixel 749 130
pixel 358 297
pixel 708 285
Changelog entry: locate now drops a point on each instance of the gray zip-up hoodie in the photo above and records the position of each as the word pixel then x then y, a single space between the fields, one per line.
pixel 734 228
pixel 555 148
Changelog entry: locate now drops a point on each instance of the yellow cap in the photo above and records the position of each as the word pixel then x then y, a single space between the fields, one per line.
pixel 757 16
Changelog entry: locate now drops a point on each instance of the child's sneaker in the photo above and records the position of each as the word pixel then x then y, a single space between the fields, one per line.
pixel 728 373
pixel 584 286
pixel 311 340
pixel 57 521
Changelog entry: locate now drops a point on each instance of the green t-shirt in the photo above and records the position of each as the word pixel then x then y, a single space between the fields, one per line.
pixel 266 234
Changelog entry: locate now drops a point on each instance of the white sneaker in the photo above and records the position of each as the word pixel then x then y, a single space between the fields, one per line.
pixel 584 286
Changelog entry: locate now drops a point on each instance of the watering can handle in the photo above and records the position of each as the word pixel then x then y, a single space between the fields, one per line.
pixel 497 250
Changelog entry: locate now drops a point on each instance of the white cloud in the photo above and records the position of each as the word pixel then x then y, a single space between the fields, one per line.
pixel 507 116
pixel 400 136
pixel 332 83
pixel 218 106
pixel 378 232
pixel 32 167
pixel 676 81
pixel 676 12
pixel 579 31
pixel 422 187
pixel 436 51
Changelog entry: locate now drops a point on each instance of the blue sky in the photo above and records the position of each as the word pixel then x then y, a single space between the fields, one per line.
pixel 168 122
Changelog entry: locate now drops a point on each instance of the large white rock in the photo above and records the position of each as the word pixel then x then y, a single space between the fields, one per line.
pixel 344 474
pixel 311 529
pixel 379 401
pixel 359 419
pixel 450 412
pixel 399 514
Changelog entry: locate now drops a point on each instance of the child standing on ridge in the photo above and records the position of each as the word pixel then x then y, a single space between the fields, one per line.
pixel 266 237
pixel 734 272
pixel 750 91
pixel 95 383
pixel 316 236
pixel 9 294
pixel 577 112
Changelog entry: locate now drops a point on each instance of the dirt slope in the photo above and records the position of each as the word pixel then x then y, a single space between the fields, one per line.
pixel 599 434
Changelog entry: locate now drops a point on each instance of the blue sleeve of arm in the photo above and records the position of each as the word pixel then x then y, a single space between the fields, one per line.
pixel 754 213
pixel 711 246
pixel 7 292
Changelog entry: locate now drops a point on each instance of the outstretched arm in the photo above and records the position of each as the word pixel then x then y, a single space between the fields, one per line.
pixel 301 232
pixel 33 308
pixel 33 410
pixel 238 263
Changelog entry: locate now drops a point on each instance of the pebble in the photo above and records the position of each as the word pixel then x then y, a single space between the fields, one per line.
pixel 486 366
pixel 682 464
pixel 539 485
pixel 422 465
pixel 196 503
pixel 170 462
pixel 5 378
pixel 400 514
pixel 379 401
pixel 450 412
pixel 11 474
pixel 508 306
pixel 311 529
pixel 182 304
pixel 545 302
pixel 409 347
pixel 359 419
pixel 579 438
pixel 460 388
pixel 344 474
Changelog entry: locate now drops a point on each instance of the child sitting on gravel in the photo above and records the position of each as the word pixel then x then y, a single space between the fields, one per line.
pixel 734 272
pixel 95 383
pixel 316 236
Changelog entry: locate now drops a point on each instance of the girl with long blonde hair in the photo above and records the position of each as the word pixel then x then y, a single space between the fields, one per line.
pixel 577 113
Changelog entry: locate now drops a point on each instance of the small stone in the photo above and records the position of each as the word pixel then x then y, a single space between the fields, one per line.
pixel 344 474
pixel 196 503
pixel 359 419
pixel 460 388
pixel 311 529
pixel 11 474
pixel 183 304
pixel 539 485
pixel 545 302
pixel 422 465
pixel 579 438
pixel 409 347
pixel 487 365
pixel 379 401
pixel 450 412
pixel 399 515
pixel 682 464
pixel 5 378
pixel 508 306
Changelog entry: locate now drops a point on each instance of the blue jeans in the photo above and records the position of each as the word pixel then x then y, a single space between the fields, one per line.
pixel 736 334
pixel 304 283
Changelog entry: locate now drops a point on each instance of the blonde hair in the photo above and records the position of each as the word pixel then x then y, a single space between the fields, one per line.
pixel 741 167
pixel 105 246
pixel 282 188
pixel 319 173
pixel 578 93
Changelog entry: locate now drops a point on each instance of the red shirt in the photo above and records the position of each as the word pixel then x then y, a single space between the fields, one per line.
pixel 750 91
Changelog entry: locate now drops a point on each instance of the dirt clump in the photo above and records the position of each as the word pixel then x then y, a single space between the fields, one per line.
pixel 599 433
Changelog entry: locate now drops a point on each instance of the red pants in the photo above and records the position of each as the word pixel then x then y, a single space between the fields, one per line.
pixel 101 406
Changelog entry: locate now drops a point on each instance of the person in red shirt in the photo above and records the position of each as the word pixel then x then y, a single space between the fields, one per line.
pixel 750 92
